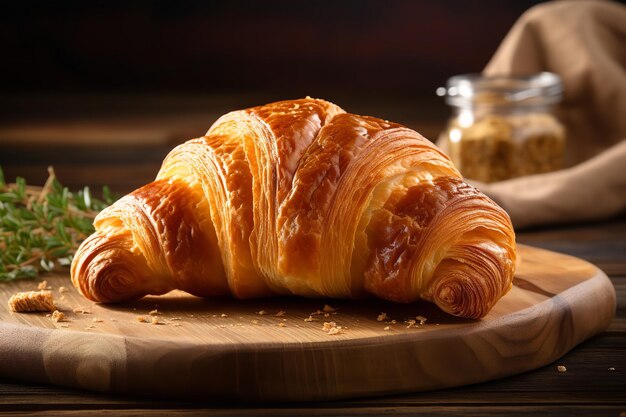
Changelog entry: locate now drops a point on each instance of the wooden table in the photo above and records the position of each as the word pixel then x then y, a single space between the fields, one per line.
pixel 590 387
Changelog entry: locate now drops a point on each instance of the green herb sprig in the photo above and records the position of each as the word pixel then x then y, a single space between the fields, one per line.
pixel 41 227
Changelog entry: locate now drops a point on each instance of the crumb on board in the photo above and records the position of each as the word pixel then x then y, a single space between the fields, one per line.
pixel 282 324
pixel 154 312
pixel 223 315
pixel 97 320
pixel 81 310
pixel 331 328
pixel 42 285
pixel 176 324
pixel 328 325
pixel 393 322
pixel 410 324
pixel 254 322
pixel 155 320
pixel 141 319
pixel 261 312
pixel 176 319
pixel 611 368
pixel 32 301
pixel 335 330
pixel 328 309
pixel 58 316
pixel 387 328
pixel 65 326
pixel 280 313
pixel 561 368
pixel 62 290
pixel 310 319
pixel 382 317
pixel 421 319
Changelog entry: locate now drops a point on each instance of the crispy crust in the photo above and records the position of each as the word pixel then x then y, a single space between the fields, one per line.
pixel 300 197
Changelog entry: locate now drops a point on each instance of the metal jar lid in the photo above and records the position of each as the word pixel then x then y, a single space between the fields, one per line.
pixel 470 89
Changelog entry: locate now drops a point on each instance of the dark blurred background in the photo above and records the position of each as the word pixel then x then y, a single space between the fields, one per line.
pixel 111 86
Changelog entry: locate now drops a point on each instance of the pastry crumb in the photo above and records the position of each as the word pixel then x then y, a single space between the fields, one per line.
pixel 32 301
pixel 421 319
pixel 335 330
pixel 382 317
pixel 254 321
pixel 331 328
pixel 63 290
pixel 223 315
pixel 58 316
pixel 65 326
pixel 261 312
pixel 155 320
pixel 561 368
pixel 328 325
pixel 387 328
pixel 154 312
pixel 176 318
pixel 280 313
pixel 141 319
pixel 282 324
pixel 328 309
pixel 310 319
pixel 81 310
pixel 410 324
pixel 42 285
pixel 97 320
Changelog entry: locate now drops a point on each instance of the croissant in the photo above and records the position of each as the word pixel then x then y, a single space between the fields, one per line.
pixel 300 197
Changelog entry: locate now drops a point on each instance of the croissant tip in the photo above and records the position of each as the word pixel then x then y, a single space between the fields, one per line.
pixel 461 300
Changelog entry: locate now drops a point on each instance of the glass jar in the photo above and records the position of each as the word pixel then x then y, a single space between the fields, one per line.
pixel 503 127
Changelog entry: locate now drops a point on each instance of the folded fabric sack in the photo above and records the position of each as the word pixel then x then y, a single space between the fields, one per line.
pixel 584 42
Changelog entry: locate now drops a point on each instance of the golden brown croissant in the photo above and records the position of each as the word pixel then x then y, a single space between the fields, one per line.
pixel 300 197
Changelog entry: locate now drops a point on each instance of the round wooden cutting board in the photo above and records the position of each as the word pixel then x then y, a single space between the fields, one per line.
pixel 270 350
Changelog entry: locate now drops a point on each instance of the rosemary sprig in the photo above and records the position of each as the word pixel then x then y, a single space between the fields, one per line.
pixel 41 227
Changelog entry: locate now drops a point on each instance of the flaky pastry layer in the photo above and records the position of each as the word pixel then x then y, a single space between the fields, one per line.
pixel 300 197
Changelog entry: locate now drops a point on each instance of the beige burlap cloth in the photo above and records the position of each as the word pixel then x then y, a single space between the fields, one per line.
pixel 584 42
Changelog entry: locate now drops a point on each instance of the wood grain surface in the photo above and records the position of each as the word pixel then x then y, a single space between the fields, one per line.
pixel 225 349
